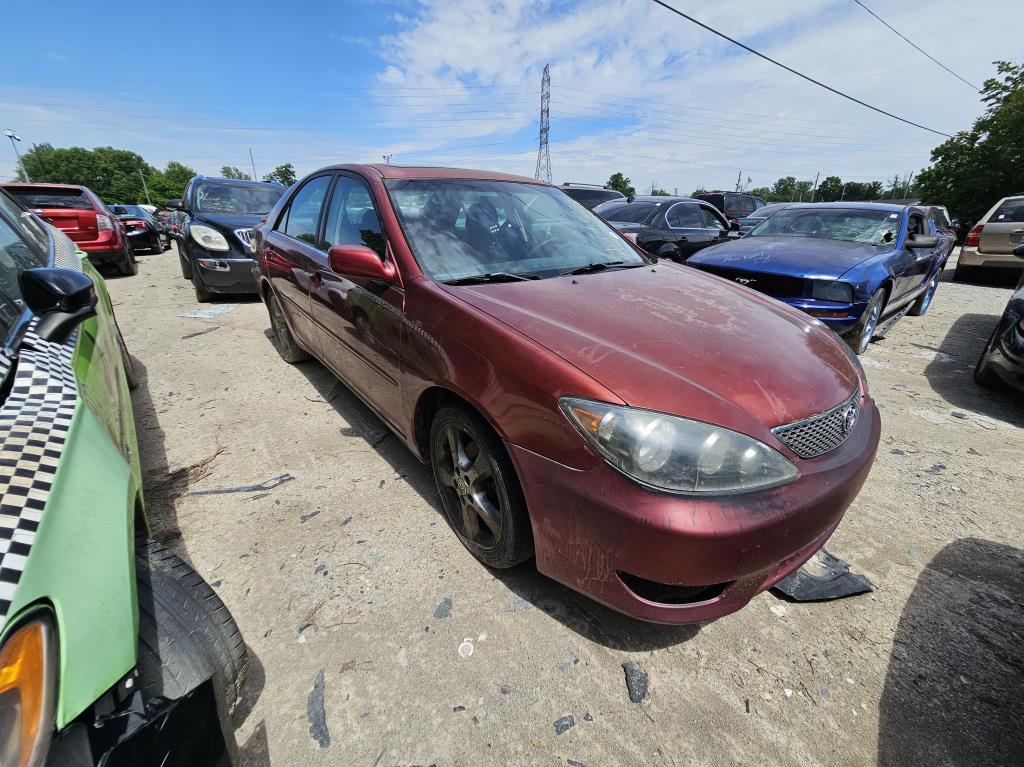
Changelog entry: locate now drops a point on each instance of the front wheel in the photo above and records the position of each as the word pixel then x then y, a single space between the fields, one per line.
pixel 983 373
pixel 864 330
pixel 479 489
pixel 203 295
pixel 920 306
pixel 186 267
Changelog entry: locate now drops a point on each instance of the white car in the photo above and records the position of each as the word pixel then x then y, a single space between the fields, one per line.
pixel 991 242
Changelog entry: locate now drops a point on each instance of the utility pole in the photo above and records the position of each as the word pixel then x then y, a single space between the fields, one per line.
pixel 543 152
pixel 739 178
pixel 842 196
pixel 814 189
pixel 144 187
pixel 253 163
pixel 15 137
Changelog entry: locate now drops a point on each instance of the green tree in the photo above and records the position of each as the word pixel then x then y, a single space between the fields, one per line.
pixel 113 174
pixel 764 192
pixel 784 189
pixel 699 190
pixel 283 174
pixel 972 170
pixel 802 191
pixel 829 190
pixel 657 191
pixel 230 171
pixel 622 184
pixel 170 182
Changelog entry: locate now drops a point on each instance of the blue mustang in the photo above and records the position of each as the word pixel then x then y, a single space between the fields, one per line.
pixel 857 267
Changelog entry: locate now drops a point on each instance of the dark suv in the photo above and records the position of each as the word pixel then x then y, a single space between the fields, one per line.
pixel 216 229
pixel 591 195
pixel 735 205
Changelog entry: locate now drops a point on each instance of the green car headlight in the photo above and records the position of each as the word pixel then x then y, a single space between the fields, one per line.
pixel 840 292
pixel 677 454
pixel 27 695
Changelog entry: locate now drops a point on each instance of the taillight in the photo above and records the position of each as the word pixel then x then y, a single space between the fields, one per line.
pixel 132 222
pixel 103 223
pixel 974 237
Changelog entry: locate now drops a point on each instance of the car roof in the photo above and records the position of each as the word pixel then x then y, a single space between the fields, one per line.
pixel 428 172
pixel 222 180
pixel 27 185
pixel 881 206
pixel 659 198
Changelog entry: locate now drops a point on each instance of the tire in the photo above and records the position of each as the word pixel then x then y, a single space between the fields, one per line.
pixel 186 267
pixel 128 266
pixel 490 488
pixel 284 341
pixel 983 373
pixel 861 335
pixel 963 273
pixel 920 306
pixel 203 295
pixel 186 634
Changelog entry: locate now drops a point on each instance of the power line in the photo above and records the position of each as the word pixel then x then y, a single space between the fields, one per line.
pixel 914 45
pixel 795 72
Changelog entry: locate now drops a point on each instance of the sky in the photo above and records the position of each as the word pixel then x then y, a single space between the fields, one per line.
pixel 634 88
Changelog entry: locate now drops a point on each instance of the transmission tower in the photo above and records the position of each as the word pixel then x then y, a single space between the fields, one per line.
pixel 543 153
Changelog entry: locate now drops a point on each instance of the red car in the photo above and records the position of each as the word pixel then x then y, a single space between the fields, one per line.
pixel 663 440
pixel 82 216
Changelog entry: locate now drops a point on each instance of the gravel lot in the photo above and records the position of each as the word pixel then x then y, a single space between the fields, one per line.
pixel 376 639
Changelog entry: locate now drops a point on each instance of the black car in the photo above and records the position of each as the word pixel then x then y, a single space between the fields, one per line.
pixel 759 215
pixel 144 231
pixel 216 231
pixel 668 227
pixel 734 205
pixel 1002 361
pixel 591 195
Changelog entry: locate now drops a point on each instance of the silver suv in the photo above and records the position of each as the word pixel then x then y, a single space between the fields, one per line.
pixel 991 242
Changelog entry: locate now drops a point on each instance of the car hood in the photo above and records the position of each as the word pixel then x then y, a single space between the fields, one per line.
pixel 673 339
pixel 797 256
pixel 229 221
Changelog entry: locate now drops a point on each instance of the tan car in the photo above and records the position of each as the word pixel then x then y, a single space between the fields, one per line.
pixel 991 242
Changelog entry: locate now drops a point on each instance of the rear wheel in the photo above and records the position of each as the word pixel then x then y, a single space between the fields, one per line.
pixel 864 331
pixel 920 306
pixel 186 634
pixel 479 488
pixel 284 342
pixel 128 265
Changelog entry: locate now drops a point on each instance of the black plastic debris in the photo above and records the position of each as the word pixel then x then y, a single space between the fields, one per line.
pixel 565 723
pixel 636 681
pixel 822 577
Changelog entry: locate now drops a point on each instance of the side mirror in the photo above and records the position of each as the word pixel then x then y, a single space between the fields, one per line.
pixel 1019 251
pixel 60 298
pixel 175 204
pixel 734 225
pixel 360 261
pixel 922 241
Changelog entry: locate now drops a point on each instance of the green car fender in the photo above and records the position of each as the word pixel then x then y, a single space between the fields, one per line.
pixel 81 561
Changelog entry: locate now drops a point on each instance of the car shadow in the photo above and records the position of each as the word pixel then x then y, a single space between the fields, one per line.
pixel 962 345
pixel 529 588
pixel 162 486
pixel 956 674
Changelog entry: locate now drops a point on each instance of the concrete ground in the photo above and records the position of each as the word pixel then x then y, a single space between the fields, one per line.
pixel 376 639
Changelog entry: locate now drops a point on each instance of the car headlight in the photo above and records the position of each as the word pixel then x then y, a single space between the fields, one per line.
pixel 840 292
pixel 27 680
pixel 209 238
pixel 676 454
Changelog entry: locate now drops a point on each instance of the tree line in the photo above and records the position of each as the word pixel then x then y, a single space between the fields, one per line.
pixel 120 175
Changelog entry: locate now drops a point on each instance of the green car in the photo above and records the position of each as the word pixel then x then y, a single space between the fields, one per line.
pixel 112 649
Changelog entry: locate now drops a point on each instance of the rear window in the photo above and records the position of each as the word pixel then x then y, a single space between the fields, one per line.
pixel 627 212
pixel 1010 212
pixel 592 197
pixel 41 197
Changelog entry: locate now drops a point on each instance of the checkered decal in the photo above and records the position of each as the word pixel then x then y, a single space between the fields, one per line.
pixel 34 423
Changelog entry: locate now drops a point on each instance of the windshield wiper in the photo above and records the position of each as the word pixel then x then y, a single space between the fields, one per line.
pixel 597 266
pixel 477 279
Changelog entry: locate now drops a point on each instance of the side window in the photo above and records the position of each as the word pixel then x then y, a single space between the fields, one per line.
pixel 758 203
pixel 712 220
pixel 303 213
pixel 744 206
pixel 915 226
pixel 187 196
pixel 352 217
pixel 684 215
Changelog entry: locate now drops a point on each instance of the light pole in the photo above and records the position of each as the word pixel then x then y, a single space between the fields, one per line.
pixel 387 158
pixel 144 187
pixel 15 137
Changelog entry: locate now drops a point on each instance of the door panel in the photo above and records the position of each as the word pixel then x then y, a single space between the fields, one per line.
pixel 359 320
pixel 912 265
pixel 687 228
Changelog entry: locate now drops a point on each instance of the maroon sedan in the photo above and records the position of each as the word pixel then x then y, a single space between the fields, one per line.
pixel 663 440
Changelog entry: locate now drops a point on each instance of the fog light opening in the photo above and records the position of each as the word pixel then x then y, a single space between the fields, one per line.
pixel 214 264
pixel 667 594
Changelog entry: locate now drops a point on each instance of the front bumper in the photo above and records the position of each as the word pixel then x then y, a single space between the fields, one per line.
pixel 594 530
pixel 839 318
pixel 973 257
pixel 1006 354
pixel 221 274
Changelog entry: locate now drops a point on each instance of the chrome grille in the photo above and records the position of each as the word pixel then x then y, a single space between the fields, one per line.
pixel 820 433
pixel 245 235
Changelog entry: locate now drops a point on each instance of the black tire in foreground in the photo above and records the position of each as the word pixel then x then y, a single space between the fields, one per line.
pixel 128 266
pixel 284 342
pixel 186 267
pixel 186 634
pixel 479 490
pixel 203 295
pixel 983 373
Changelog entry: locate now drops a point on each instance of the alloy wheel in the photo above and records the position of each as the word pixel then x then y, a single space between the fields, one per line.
pixel 869 327
pixel 931 292
pixel 466 474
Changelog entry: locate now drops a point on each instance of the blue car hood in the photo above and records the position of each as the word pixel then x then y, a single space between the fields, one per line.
pixel 795 256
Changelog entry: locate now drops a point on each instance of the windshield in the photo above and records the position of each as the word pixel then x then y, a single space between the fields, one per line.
pixel 130 211
pixel 52 197
pixel 874 227
pixel 236 198
pixel 626 212
pixel 462 228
